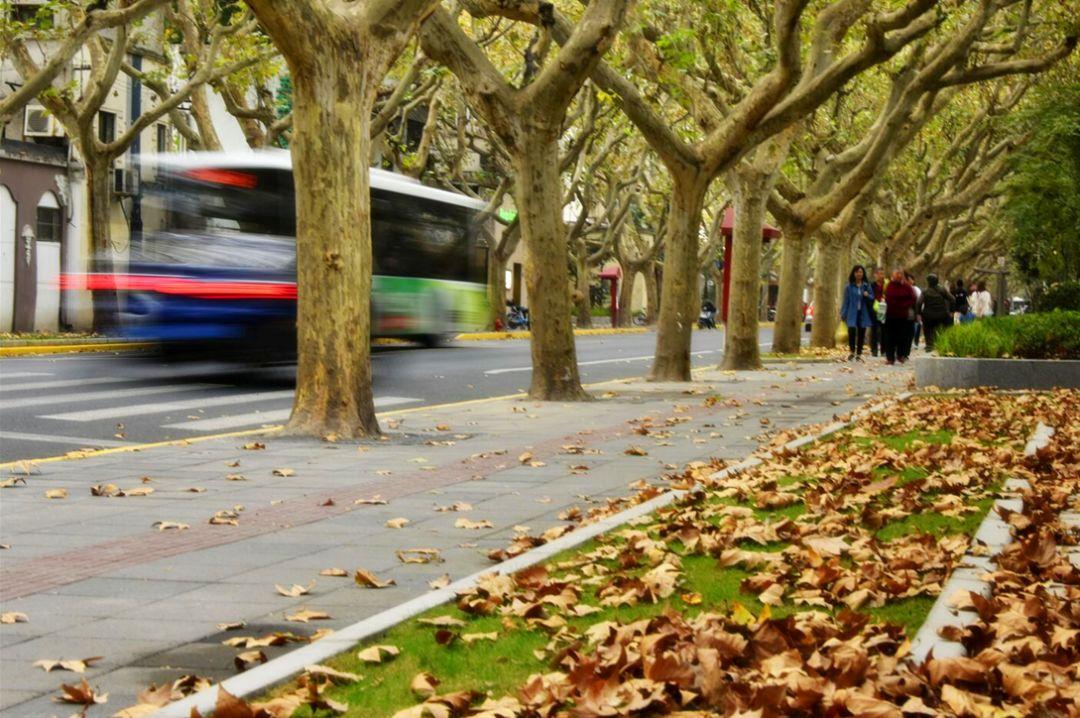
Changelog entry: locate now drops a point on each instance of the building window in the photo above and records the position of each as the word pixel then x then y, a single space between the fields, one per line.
pixel 106 128
pixel 162 138
pixel 36 16
pixel 49 219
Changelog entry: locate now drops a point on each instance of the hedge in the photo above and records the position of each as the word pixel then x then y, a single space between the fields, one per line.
pixel 1049 335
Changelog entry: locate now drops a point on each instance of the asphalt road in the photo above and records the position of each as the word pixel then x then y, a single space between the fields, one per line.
pixel 52 405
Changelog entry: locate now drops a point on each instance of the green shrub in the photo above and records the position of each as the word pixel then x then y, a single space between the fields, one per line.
pixel 600 310
pixel 1050 335
pixel 1060 295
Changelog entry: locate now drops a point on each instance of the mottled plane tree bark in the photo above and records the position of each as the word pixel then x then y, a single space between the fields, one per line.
pixel 528 120
pixel 338 54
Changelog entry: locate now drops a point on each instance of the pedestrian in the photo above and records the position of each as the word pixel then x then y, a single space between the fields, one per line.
pixel 917 326
pixel 960 297
pixel 982 304
pixel 877 325
pixel 855 310
pixel 899 318
pixel 934 307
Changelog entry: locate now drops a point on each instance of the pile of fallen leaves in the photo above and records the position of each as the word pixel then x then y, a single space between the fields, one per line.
pixel 805 526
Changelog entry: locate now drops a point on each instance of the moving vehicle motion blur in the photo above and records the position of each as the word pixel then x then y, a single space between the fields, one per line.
pixel 216 269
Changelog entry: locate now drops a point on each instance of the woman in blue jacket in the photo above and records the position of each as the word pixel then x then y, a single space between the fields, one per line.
pixel 855 310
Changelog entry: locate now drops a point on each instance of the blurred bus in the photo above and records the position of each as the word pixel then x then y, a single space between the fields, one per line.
pixel 217 265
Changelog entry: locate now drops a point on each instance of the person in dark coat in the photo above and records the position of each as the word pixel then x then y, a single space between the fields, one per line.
pixel 855 310
pixel 899 318
pixel 960 299
pixel 935 308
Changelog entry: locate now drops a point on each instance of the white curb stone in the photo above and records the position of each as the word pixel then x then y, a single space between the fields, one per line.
pixel 994 534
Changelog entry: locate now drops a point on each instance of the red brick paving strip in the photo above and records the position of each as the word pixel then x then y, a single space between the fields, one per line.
pixel 45 573
pixel 30 576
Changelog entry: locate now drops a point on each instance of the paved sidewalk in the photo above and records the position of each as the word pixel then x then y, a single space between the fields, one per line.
pixel 95 578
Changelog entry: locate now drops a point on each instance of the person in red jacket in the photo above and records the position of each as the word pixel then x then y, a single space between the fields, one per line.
pixel 899 318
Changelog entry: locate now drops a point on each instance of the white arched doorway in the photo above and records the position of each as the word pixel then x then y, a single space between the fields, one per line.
pixel 49 229
pixel 7 259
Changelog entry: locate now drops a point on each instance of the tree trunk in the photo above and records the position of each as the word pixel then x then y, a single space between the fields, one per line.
pixel 626 295
pixel 787 331
pixel 679 292
pixel 829 259
pixel 99 183
pixel 741 334
pixel 330 149
pixel 652 294
pixel 497 288
pixel 582 298
pixel 537 191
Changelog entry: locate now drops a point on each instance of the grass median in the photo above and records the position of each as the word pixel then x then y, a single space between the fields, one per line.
pixel 846 542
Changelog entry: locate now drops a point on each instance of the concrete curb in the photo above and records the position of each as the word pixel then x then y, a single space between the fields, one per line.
pixel 968 576
pixel 967 372
pixel 284 667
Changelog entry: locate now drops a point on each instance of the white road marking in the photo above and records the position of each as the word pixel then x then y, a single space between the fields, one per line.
pixel 122 412
pixel 36 401
pixel 63 383
pixel 275 416
pixel 57 439
pixel 5 375
pixel 596 361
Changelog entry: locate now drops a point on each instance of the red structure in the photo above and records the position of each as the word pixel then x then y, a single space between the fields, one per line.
pixel 768 233
pixel 613 273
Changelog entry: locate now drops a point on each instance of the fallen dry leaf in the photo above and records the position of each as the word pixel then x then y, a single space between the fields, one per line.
pixel 304 615
pixel 400 522
pixel 12 482
pixel 375 500
pixel 464 523
pixel 81 694
pixel 170 525
pixel 441 621
pixel 231 625
pixel 332 673
pixel 283 472
pixel 253 446
pixel 13 617
pixel 245 659
pixel 56 494
pixel 419 555
pixel 377 654
pixel 440 582
pixel 336 572
pixel 75 666
pixel 294 590
pixel 423 685
pixel 366 579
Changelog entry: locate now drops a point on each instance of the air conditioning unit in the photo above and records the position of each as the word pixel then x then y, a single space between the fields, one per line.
pixel 38 122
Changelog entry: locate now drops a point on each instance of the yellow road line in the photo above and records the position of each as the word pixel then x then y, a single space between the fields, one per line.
pixel 73 348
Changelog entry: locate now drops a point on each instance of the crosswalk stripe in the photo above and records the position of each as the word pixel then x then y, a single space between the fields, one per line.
pixel 36 401
pixel 64 383
pixel 57 439
pixel 276 416
pixel 122 412
pixel 4 376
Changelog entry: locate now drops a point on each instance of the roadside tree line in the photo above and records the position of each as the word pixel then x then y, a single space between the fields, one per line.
pixel 865 129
